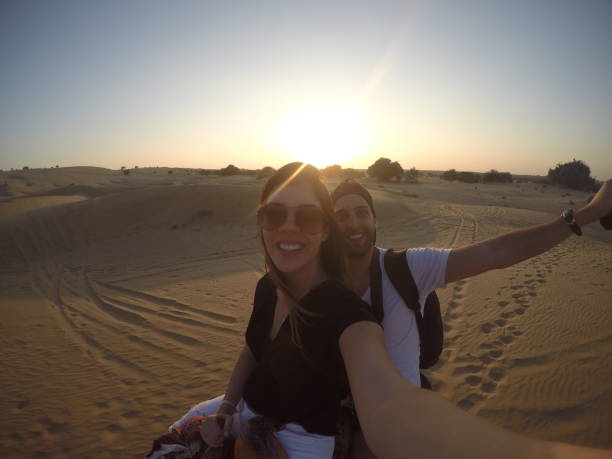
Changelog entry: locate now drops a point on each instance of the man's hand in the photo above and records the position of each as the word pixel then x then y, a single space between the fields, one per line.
pixel 599 205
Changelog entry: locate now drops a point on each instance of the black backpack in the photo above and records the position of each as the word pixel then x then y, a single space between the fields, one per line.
pixel 431 332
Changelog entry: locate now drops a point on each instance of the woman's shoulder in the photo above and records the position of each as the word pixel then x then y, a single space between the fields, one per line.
pixel 265 291
pixel 265 282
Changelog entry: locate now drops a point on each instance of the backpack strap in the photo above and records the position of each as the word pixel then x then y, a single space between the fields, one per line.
pixel 376 298
pixel 399 273
pixel 429 322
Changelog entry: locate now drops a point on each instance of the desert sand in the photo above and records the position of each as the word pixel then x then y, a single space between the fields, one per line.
pixel 124 300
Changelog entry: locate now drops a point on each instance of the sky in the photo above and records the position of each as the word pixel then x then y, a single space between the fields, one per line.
pixel 472 85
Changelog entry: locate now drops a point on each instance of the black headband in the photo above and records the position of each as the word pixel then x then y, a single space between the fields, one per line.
pixel 350 186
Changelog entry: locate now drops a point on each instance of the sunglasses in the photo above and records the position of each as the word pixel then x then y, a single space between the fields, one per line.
pixel 308 218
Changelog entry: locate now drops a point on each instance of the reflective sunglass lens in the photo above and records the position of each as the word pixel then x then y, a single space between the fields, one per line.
pixel 310 220
pixel 273 217
pixel 307 219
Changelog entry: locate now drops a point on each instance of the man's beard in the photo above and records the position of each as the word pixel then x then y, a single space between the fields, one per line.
pixel 352 251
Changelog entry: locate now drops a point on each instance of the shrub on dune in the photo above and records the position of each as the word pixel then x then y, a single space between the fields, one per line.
pixel 575 174
pixel 494 176
pixel 229 170
pixel 412 175
pixel 384 170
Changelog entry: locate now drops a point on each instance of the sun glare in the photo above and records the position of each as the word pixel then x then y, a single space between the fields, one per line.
pixel 323 135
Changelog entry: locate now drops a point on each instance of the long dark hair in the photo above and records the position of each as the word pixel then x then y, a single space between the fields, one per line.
pixel 331 249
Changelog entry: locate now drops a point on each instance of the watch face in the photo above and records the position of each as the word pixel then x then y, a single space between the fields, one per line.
pixel 568 215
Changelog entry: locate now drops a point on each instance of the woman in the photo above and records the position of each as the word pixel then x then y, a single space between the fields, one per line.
pixel 290 369
pixel 313 335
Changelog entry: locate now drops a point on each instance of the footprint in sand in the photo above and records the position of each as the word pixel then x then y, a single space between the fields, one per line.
pixel 496 373
pixel 488 386
pixel 467 369
pixel 54 427
pixel 114 428
pixel 486 328
pixel 469 401
pixel 495 353
pixel 23 404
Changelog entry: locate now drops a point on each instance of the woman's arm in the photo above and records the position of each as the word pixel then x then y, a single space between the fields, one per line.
pixel 245 365
pixel 211 430
pixel 400 419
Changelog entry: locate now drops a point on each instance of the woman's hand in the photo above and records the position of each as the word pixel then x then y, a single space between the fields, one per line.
pixel 216 428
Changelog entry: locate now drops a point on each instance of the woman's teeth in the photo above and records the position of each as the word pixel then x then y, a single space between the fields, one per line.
pixel 290 247
pixel 355 236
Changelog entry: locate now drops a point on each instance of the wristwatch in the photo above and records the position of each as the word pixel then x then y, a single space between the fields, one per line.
pixel 568 216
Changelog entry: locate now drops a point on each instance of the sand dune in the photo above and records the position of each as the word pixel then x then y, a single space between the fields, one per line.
pixel 124 301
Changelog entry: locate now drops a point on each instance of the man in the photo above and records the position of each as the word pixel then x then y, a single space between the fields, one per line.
pixel 434 268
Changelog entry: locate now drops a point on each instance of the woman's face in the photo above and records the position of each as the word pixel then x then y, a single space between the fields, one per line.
pixel 293 243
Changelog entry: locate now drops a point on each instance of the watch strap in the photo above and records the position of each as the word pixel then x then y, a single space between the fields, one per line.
pixel 568 216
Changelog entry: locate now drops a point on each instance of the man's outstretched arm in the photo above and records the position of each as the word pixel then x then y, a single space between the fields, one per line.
pixel 514 247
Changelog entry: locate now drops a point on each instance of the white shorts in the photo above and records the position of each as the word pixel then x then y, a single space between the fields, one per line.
pixel 298 443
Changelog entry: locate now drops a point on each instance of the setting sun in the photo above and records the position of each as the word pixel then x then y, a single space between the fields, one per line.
pixel 323 135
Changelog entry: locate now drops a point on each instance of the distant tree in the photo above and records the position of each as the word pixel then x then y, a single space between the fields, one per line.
pixel 350 173
pixel 135 167
pixel 26 168
pixel 334 171
pixel 575 174
pixel 265 172
pixel 398 171
pixel 56 166
pixel 126 172
pixel 412 175
pixel 494 176
pixel 229 170
pixel 384 170
pixel 468 177
pixel 122 167
pixel 450 175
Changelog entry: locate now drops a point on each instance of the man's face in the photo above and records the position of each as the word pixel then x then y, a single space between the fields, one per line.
pixel 356 223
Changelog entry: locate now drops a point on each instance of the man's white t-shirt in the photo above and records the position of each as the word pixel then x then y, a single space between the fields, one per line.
pixel 428 268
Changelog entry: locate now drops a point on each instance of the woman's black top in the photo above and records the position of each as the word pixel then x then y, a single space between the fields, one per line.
pixel 302 386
